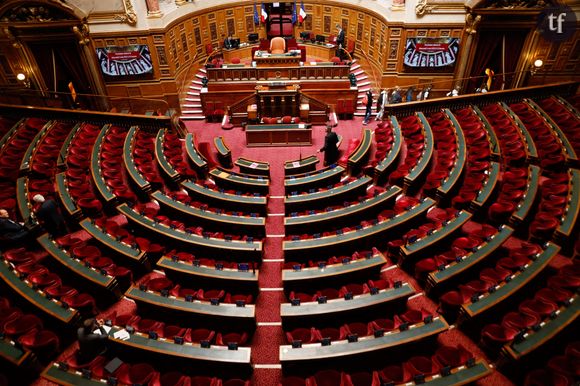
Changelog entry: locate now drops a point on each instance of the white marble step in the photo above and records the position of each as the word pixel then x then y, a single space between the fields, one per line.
pixel 193 93
pixel 196 82
pixel 366 83
pixel 200 75
pixel 202 69
pixel 196 87
pixel 354 68
pixel 192 117
pixel 192 105
pixel 193 99
pixel 363 90
pixel 357 73
pixel 192 111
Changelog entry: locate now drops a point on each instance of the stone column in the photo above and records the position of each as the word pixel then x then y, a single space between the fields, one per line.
pixel 180 2
pixel 470 29
pixel 153 8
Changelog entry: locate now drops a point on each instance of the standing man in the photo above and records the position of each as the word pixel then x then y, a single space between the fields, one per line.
pixel 49 216
pixel 409 94
pixel 339 41
pixel 330 150
pixel 382 101
pixel 369 111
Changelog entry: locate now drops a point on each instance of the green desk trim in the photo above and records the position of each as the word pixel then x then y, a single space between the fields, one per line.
pixel 395 149
pixel 185 350
pixel 51 307
pixel 22 200
pixel 502 292
pixel 339 306
pixel 394 338
pixel 528 200
pixel 310 161
pixel 210 272
pixel 489 186
pixel 437 235
pixel 221 147
pixel 11 132
pixel 258 201
pixel 310 244
pixel 98 178
pixel 109 241
pixel 11 353
pixel 461 375
pixel 495 148
pixel 318 176
pixel 242 221
pixel 65 198
pixel 27 158
pixel 427 152
pixel 568 106
pixel 240 182
pixel 290 276
pixel 68 378
pixel 569 219
pixel 61 162
pixel 362 149
pixel 129 161
pixel 222 245
pixel 160 156
pixel 534 339
pixel 459 165
pixel 311 198
pixel 278 126
pixel 194 156
pixel 570 153
pixel 78 267
pixel 310 219
pixel 530 145
pixel 482 252
pixel 197 306
pixel 262 168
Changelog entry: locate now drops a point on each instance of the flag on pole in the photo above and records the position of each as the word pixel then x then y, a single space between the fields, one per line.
pixel 264 14
pixel 294 15
pixel 256 15
pixel 302 14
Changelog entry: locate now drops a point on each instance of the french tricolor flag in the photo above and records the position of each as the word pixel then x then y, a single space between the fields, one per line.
pixel 263 14
pixel 302 14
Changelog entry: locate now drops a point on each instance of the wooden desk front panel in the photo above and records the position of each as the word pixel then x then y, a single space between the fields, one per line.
pixel 278 137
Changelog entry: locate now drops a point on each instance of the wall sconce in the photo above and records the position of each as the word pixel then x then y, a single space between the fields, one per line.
pixel 23 79
pixel 538 63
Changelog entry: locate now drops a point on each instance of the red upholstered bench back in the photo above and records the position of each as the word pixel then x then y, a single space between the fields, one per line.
pixel 204 149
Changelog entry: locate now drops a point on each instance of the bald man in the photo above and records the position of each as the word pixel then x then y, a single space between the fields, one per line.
pixel 11 232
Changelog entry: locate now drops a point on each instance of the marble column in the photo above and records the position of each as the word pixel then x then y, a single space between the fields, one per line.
pixel 153 8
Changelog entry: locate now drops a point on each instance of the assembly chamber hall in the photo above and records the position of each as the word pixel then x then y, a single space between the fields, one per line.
pixel 293 193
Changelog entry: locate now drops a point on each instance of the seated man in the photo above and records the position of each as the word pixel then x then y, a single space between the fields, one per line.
pixel 11 232
pixel 91 344
pixel 230 42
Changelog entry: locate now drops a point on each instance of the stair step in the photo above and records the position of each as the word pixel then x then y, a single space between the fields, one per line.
pixel 193 99
pixel 354 68
pixel 192 105
pixel 200 75
pixel 203 70
pixel 196 82
pixel 194 93
pixel 363 90
pixel 363 83
pixel 192 117
pixel 359 72
pixel 192 111
pixel 196 87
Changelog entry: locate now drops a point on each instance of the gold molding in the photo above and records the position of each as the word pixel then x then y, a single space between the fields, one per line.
pixel 127 15
pixel 424 7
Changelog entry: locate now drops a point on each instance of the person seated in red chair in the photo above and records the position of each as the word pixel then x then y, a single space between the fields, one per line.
pixel 11 232
pixel 91 343
pixel 49 215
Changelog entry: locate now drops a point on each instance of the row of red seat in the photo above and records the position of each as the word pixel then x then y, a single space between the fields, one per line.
pixel 173 150
pixel 166 287
pixel 566 121
pixel 478 155
pixel 560 370
pixel 530 313
pixel 143 153
pixel 27 265
pixel 188 257
pixel 511 142
pixel 27 330
pixel 414 136
pixel 45 155
pixel 513 187
pixel 549 147
pixel 376 326
pixel 143 374
pixel 78 159
pixel 384 138
pixel 112 164
pixel 14 149
pixel 446 150
pixel 446 359
pixel 117 228
pixel 183 197
pixel 346 291
pixel 333 260
pixel 553 205
pixel 489 278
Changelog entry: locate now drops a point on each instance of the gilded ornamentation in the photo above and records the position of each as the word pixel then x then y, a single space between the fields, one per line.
pixel 82 33
pixel 33 14
pixel 422 8
pixel 471 23
pixel 13 39
pixel 130 17
pixel 514 4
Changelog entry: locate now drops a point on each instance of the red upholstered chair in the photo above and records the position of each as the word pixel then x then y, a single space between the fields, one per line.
pixel 158 284
pixel 174 378
pixel 519 320
pixel 543 377
pixel 232 337
pixel 452 356
pixel 140 373
pixel 304 335
pixel 200 380
pixel 277 45
pixel 264 44
pixel 421 365
pixel 236 60
pixel 43 343
pixel 199 334
pixel 293 381
pixel 84 303
pixel 494 335
pixel 22 325
pixel 328 378
pixel 395 373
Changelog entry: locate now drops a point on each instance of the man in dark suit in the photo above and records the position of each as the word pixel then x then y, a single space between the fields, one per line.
pixel 49 216
pixel 340 42
pixel 330 149
pixel 369 106
pixel 229 43
pixel 91 344
pixel 11 232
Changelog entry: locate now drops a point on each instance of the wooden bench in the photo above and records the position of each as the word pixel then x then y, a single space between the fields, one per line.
pixel 240 182
pixel 249 166
pixel 223 151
